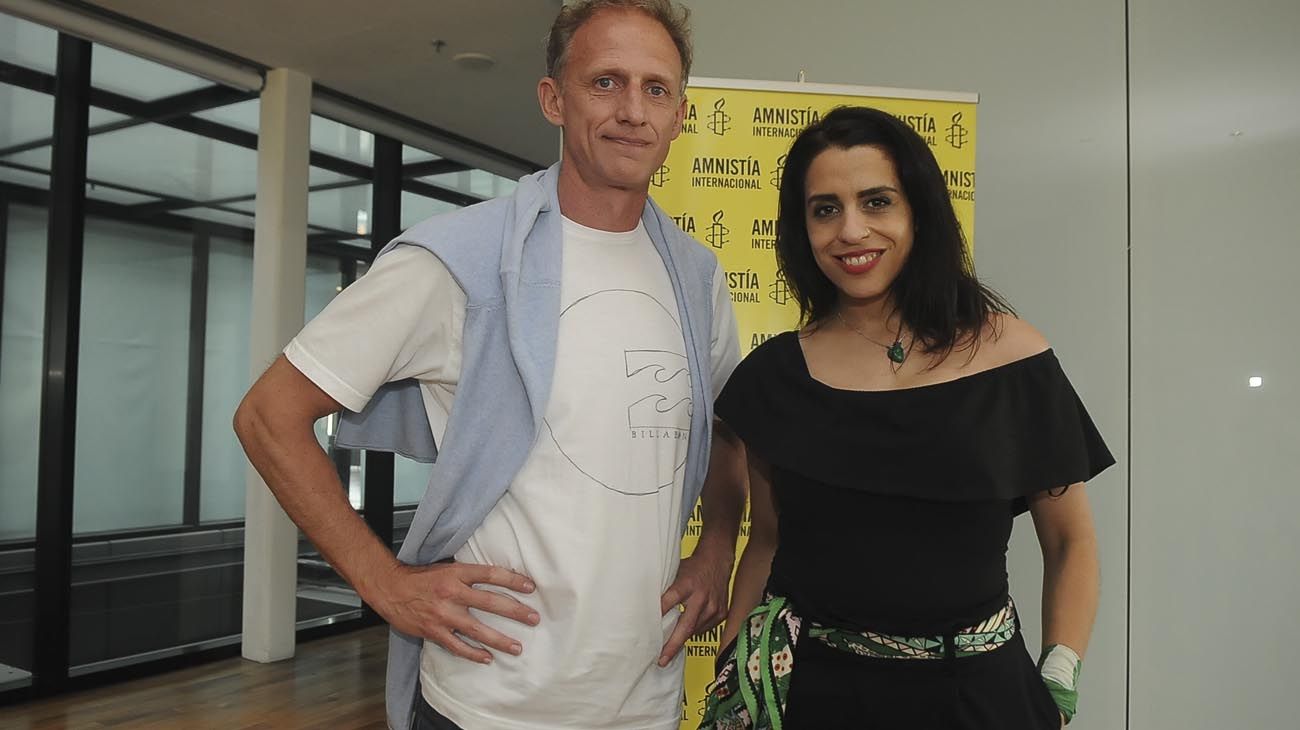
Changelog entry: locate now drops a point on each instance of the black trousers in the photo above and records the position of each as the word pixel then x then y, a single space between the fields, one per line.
pixel 427 718
pixel 832 689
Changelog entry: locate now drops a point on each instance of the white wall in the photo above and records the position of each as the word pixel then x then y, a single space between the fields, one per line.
pixel 1216 251
pixel 1051 210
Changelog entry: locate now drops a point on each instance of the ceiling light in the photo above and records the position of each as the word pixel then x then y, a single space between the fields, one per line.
pixel 474 61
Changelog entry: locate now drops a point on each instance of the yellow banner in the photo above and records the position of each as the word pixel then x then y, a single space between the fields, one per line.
pixel 720 184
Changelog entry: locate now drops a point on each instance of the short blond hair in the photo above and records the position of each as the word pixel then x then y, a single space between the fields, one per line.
pixel 672 16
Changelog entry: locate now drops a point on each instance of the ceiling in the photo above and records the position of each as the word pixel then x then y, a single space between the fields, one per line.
pixel 383 53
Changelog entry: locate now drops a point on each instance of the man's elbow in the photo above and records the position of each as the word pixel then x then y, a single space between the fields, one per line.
pixel 250 423
pixel 242 423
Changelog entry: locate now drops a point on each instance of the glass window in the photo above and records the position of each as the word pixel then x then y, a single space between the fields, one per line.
pixel 416 208
pixel 242 115
pixel 160 161
pixel 219 215
pixel 410 479
pixel 28 45
pixel 139 78
pixel 166 294
pixel 478 183
pixel 35 180
pixel 346 209
pixel 415 154
pixel 157 464
pixel 132 378
pixel 226 377
pixel 340 140
pixel 111 194
pixel 26 119
pixel 327 136
pixel 172 162
pixel 22 338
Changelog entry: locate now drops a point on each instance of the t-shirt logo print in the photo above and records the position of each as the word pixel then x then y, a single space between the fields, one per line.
pixel 632 380
pixel 656 411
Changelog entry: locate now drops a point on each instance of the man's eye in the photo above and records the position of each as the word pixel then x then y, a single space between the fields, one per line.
pixel 604 83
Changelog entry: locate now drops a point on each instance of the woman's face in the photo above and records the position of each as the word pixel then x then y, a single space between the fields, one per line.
pixel 858 220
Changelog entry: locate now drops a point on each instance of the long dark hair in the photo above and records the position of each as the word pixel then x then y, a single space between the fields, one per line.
pixel 936 293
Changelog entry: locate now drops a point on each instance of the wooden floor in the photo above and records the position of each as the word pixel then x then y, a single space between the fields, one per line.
pixel 335 684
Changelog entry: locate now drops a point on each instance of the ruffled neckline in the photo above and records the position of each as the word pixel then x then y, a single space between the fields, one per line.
pixel 1003 369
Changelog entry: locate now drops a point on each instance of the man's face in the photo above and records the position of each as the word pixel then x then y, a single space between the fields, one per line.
pixel 619 99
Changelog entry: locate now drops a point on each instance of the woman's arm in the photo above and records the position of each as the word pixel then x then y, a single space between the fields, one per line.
pixel 1071 574
pixel 756 561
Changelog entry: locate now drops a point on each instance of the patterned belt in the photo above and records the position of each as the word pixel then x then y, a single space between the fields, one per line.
pixel 754 679
pixel 983 637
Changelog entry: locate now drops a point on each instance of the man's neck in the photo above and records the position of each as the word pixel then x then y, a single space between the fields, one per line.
pixel 599 207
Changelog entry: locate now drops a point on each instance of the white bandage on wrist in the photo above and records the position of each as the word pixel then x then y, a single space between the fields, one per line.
pixel 1061 666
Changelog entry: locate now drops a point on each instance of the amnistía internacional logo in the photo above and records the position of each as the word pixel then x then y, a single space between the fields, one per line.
pixel 661 177
pixel 719 234
pixel 958 135
pixel 733 173
pixel 719 120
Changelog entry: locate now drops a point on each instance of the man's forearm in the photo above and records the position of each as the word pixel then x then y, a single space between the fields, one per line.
pixel 306 484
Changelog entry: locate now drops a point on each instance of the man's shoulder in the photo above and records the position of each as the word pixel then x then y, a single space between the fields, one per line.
pixel 467 226
pixel 466 243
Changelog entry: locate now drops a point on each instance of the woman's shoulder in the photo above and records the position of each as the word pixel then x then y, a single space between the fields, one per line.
pixel 775 362
pixel 771 357
pixel 776 346
pixel 1007 339
pixel 762 384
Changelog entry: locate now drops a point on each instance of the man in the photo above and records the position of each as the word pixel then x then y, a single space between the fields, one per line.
pixel 558 352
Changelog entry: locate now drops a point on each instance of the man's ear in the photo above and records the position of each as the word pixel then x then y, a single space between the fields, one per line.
pixel 548 97
pixel 680 118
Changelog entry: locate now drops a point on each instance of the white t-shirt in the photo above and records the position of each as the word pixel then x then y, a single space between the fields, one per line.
pixel 594 514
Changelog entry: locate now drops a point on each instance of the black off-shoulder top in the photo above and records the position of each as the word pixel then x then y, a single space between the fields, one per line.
pixel 895 506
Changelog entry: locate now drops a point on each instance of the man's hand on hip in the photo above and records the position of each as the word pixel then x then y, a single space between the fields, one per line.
pixel 701 589
pixel 433 601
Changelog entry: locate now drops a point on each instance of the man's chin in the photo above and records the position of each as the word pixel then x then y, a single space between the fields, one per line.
pixel 633 186
pixel 637 180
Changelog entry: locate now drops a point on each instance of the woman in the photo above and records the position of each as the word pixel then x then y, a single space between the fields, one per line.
pixel 891 441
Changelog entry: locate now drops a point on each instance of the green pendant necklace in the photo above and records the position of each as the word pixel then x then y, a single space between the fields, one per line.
pixel 894 352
